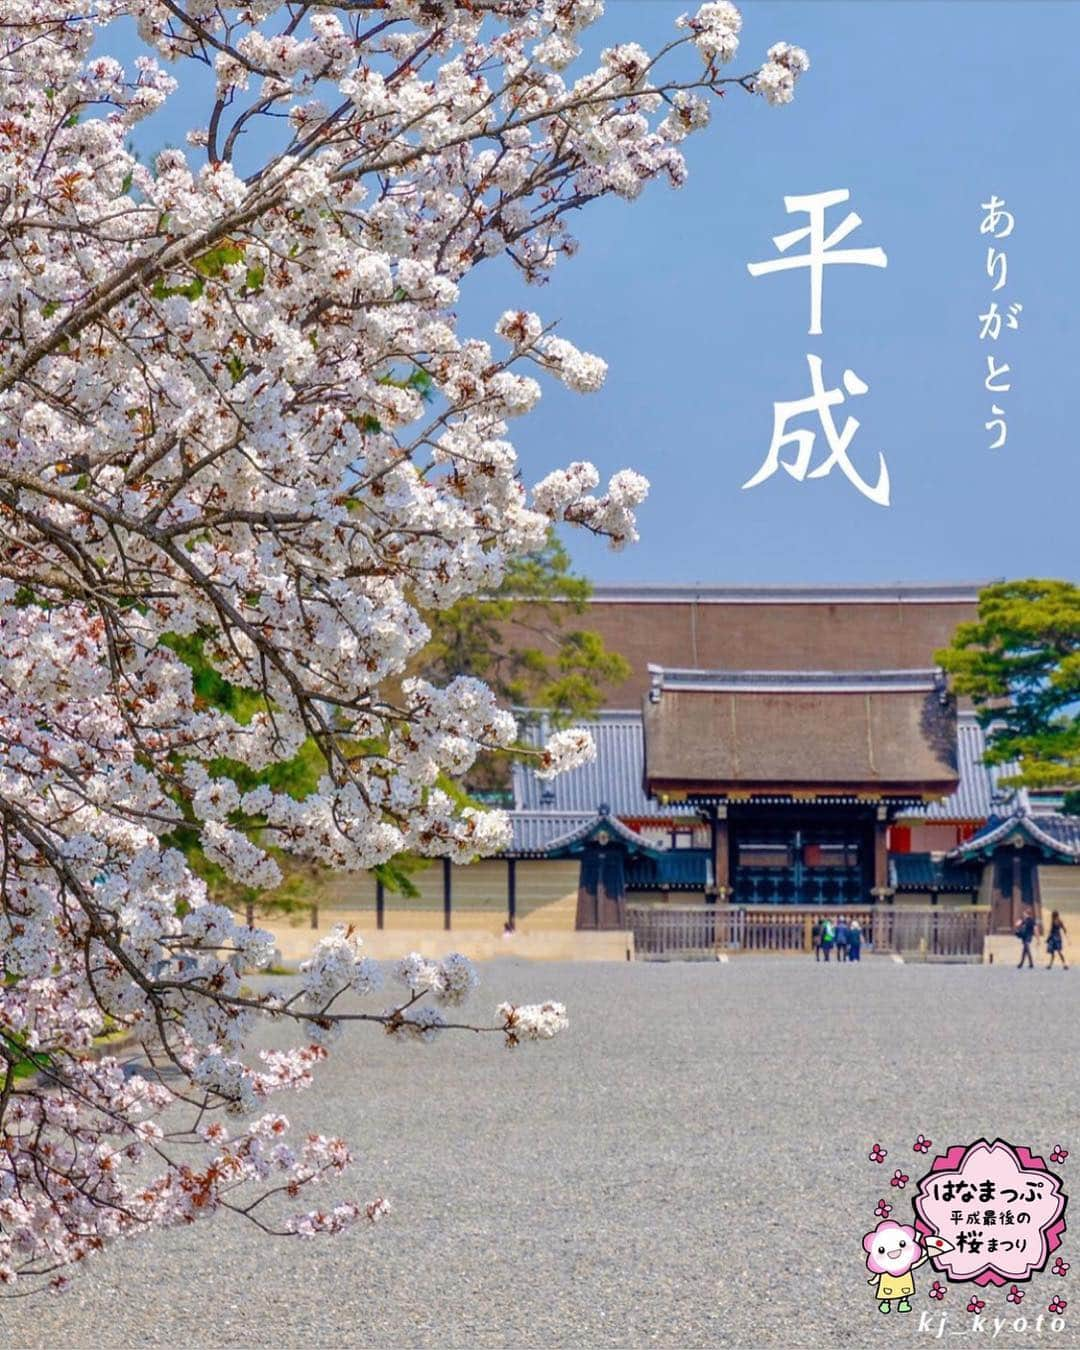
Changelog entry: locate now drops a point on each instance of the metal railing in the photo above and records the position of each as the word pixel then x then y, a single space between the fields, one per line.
pixel 688 931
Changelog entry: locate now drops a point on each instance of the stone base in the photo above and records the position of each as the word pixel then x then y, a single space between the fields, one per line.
pixel 296 943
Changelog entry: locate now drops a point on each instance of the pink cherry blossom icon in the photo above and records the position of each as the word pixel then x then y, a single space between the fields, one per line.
pixel 1060 1267
pixel 899 1179
pixel 877 1153
pixel 936 1290
pixel 1014 1295
pixel 976 1305
pixel 883 1209
pixel 1057 1304
pixel 1059 1154
pixel 922 1144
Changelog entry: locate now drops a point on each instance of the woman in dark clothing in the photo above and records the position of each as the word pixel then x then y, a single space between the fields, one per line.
pixel 1055 940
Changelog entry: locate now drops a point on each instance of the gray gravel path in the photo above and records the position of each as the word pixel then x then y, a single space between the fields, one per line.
pixel 686 1167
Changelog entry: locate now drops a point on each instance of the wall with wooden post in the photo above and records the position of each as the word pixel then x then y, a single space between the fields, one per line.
pixel 721 851
pixel 881 889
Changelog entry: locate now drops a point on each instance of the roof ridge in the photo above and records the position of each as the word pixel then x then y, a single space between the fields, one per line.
pixel 709 592
pixel 808 681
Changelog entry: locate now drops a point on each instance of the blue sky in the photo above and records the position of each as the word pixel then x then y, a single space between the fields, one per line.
pixel 922 109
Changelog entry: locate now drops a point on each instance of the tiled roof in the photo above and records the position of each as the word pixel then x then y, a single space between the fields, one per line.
pixel 980 794
pixel 924 872
pixel 612 779
pixel 1055 833
pixel 603 821
pixel 549 833
pixel 535 830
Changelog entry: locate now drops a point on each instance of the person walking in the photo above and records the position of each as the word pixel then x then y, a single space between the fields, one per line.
pixel 1055 941
pixel 815 938
pixel 828 936
pixel 1025 931
pixel 854 941
pixel 842 932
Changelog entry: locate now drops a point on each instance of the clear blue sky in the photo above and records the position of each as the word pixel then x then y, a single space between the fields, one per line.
pixel 922 108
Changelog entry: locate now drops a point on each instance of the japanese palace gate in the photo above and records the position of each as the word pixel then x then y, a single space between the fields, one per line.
pixel 800 773
pixel 835 771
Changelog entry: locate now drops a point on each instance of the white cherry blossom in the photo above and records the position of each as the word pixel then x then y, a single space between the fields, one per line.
pixel 242 435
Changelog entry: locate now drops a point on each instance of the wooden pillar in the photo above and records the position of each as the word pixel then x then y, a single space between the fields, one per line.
pixel 588 902
pixel 380 902
pixel 446 893
pixel 721 851
pixel 1001 894
pixel 1017 889
pixel 1036 895
pixel 881 853
pixel 511 891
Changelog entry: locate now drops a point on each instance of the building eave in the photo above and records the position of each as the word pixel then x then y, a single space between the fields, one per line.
pixel 711 593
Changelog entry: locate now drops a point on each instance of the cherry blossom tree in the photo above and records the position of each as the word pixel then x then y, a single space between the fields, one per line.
pixel 237 416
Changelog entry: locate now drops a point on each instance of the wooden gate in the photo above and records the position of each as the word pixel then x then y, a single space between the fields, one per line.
pixel 700 931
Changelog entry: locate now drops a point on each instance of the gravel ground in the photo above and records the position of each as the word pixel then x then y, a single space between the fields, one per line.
pixel 687 1167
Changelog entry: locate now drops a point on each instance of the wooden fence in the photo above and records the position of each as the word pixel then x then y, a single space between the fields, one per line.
pixel 689 931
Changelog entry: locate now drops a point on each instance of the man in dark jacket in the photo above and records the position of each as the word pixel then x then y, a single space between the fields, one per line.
pixel 1025 931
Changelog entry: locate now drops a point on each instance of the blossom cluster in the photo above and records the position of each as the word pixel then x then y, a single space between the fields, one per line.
pixel 242 434
pixel 532 1021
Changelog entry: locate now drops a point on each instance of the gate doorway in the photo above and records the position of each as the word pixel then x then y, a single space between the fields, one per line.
pixel 802 860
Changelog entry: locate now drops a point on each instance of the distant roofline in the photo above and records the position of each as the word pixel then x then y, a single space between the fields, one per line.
pixel 967 717
pixel 718 593
pixel 794 681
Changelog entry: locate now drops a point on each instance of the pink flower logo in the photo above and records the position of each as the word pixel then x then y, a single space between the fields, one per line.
pixel 976 1305
pixel 1014 1295
pixel 878 1154
pixel 899 1179
pixel 883 1210
pixel 1059 1154
pixel 922 1144
pixel 936 1290
pixel 1057 1304
pixel 1060 1267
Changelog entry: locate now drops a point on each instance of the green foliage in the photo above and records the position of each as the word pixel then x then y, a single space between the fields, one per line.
pixel 522 642
pixel 210 264
pixel 1019 663
pixel 298 776
pixel 561 670
pixel 558 668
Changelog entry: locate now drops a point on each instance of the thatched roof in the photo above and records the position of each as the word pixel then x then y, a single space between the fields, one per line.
pixel 715 732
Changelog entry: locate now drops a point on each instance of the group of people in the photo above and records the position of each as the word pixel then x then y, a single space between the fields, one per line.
pixel 1055 939
pixel 839 935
